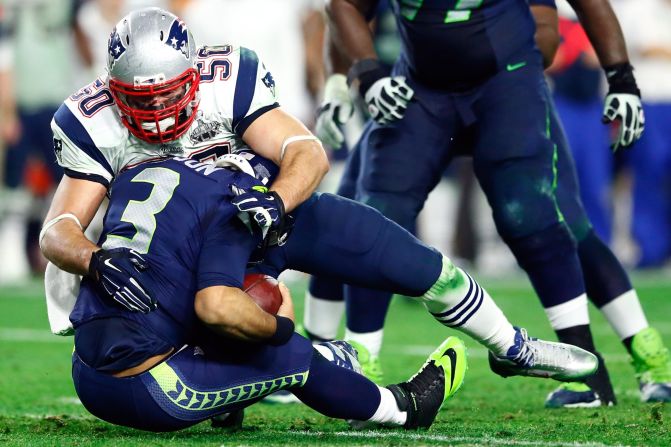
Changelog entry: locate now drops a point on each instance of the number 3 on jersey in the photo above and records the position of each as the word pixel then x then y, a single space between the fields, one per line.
pixel 142 214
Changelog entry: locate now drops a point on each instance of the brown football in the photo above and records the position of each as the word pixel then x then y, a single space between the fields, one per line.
pixel 264 290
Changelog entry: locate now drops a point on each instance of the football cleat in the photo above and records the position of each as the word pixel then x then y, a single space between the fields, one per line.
pixel 281 397
pixel 439 378
pixel 370 364
pixel 232 420
pixel 573 395
pixel 652 363
pixel 539 358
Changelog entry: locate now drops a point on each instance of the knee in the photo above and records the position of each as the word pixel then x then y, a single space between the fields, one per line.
pixel 400 208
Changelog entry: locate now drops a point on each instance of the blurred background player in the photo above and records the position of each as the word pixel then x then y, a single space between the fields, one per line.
pixel 35 35
pixel 607 282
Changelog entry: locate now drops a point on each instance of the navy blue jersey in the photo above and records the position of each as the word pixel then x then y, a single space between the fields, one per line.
pixel 458 44
pixel 177 213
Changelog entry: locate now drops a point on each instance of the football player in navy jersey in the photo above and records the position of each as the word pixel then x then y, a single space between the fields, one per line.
pixel 172 229
pixel 466 80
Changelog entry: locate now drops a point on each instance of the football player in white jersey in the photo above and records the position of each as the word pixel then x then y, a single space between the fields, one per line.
pixel 163 96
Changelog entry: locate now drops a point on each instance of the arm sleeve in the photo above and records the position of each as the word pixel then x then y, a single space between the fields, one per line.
pixel 225 251
pixel 255 92
pixel 75 150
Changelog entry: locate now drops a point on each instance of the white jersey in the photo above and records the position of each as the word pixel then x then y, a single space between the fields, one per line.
pixel 91 142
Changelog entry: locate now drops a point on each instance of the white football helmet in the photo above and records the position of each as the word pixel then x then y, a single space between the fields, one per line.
pixel 152 74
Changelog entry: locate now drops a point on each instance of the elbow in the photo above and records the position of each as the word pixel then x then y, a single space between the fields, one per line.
pixel 209 308
pixel 322 162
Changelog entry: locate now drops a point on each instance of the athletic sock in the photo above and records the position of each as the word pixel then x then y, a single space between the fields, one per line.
pixel 625 315
pixel 372 341
pixel 388 412
pixel 322 317
pixel 456 300
pixel 569 314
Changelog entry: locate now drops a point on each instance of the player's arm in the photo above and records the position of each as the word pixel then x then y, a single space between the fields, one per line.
pixel 623 102
pixel 231 312
pixel 62 239
pixel 280 137
pixel 547 28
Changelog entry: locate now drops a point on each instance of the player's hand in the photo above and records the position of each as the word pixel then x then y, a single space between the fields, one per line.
pixel 388 98
pixel 623 106
pixel 334 112
pixel 119 274
pixel 287 307
pixel 264 207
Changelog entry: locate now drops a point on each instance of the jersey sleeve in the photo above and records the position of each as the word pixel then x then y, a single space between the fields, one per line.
pixel 76 151
pixel 549 3
pixel 255 92
pixel 226 249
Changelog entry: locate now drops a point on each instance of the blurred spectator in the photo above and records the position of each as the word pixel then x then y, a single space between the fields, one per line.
pixel 36 73
pixel 286 34
pixel 647 24
pixel 577 79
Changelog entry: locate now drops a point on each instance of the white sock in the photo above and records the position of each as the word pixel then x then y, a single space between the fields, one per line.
pixel 625 315
pixel 322 317
pixel 388 411
pixel 457 301
pixel 370 340
pixel 569 314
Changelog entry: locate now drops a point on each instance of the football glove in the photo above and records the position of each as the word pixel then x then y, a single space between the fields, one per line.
pixel 334 112
pixel 386 96
pixel 264 207
pixel 623 105
pixel 118 273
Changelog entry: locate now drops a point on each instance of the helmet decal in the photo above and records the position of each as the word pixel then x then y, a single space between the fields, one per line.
pixel 178 37
pixel 115 47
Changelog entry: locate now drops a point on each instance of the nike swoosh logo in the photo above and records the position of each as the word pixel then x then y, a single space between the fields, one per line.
pixel 513 67
pixel 108 263
pixel 452 354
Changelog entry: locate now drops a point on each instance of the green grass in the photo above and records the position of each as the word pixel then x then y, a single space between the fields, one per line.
pixel 38 404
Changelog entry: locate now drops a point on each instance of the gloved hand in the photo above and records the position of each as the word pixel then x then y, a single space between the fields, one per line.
pixel 264 207
pixel 334 112
pixel 623 105
pixel 118 273
pixel 387 97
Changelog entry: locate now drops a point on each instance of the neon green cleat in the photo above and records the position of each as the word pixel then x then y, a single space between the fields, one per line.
pixel 652 363
pixel 370 365
pixel 438 379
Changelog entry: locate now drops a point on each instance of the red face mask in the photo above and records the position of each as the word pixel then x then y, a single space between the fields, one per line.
pixel 158 113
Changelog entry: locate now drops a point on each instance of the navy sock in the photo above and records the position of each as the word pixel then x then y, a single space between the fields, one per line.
pixel 338 392
pixel 605 278
pixel 326 288
pixel 366 309
pixel 550 259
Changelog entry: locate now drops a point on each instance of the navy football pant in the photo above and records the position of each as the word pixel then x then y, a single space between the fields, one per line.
pixel 199 382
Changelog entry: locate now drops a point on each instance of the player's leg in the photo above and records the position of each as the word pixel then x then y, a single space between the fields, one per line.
pixel 324 298
pixel 354 243
pixel 515 161
pixel 609 288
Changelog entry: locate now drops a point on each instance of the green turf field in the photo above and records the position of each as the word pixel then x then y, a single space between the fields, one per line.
pixel 38 405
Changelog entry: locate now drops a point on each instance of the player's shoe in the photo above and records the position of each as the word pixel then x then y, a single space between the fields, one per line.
pixel 573 395
pixel 652 363
pixel 232 420
pixel 370 364
pixel 439 378
pixel 539 358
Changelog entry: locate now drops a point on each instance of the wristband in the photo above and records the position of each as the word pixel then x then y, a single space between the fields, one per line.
pixel 283 332
pixel 621 79
pixel 367 71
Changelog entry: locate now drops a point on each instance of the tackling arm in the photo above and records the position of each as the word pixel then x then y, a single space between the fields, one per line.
pixel 230 311
pixel 302 163
pixel 64 242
